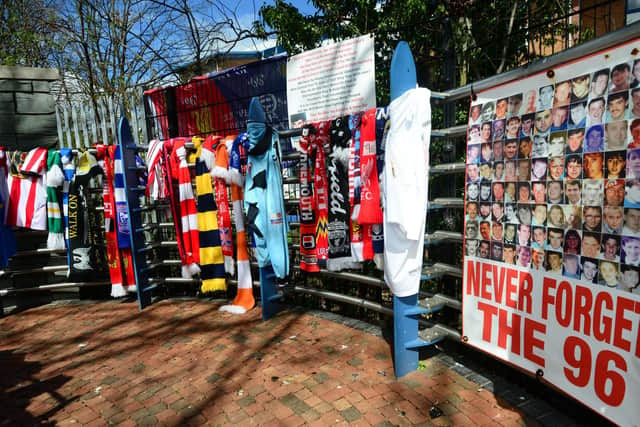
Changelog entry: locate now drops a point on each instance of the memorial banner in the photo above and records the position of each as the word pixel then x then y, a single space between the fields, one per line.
pixel 331 81
pixel 552 228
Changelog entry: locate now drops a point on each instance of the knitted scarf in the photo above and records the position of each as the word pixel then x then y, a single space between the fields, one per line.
pixel 55 179
pixel 244 300
pixel 339 212
pixel 7 240
pixel 220 173
pixel 370 209
pixel 27 206
pixel 156 170
pixel 321 191
pixel 105 155
pixel 357 237
pixel 382 125
pixel 187 220
pixel 308 258
pixel 69 171
pixel 266 215
pixel 211 257
pixel 120 198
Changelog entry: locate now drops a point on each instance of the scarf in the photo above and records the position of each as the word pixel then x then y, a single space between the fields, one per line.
pixel 156 171
pixel 264 199
pixel 69 171
pixel 321 191
pixel 211 257
pixel 339 213
pixel 370 209
pixel 186 214
pixel 83 265
pixel 220 173
pixel 377 230
pixel 7 239
pixel 244 300
pixel 27 205
pixel 55 179
pixel 308 258
pixel 357 237
pixel 120 198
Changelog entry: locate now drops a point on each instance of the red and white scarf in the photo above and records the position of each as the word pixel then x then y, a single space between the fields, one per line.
pixel 27 205
pixel 187 222
pixel 321 191
pixel 308 253
pixel 221 175
pixel 370 211
pixel 156 171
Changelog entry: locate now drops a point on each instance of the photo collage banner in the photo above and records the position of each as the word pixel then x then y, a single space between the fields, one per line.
pixel 552 199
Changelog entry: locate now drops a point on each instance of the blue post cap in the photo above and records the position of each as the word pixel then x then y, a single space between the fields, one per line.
pixel 403 70
pixel 256 112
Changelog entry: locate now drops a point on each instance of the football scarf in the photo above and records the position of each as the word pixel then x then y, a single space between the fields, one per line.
pixel 220 173
pixel 81 241
pixel 156 172
pixel 187 220
pixel 339 212
pixel 119 261
pixel 7 239
pixel 357 237
pixel 120 198
pixel 321 191
pixel 211 257
pixel 55 179
pixel 27 206
pixel 308 258
pixel 244 300
pixel 264 199
pixel 370 209
pixel 382 126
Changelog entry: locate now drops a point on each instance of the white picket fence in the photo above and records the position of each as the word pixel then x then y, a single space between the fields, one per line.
pixel 80 127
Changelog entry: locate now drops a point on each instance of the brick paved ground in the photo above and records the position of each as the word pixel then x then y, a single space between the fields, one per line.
pixel 185 363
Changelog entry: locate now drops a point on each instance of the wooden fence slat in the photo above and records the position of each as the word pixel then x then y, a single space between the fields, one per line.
pixel 67 127
pixel 59 121
pixel 142 118
pixel 112 118
pixel 85 130
pixel 103 125
pixel 76 131
pixel 94 130
pixel 134 118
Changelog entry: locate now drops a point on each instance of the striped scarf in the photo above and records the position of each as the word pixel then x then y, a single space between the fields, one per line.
pixel 357 237
pixel 370 209
pixel 221 174
pixel 27 206
pixel 187 221
pixel 321 191
pixel 244 300
pixel 69 171
pixel 120 199
pixel 156 170
pixel 211 257
pixel 308 258
pixel 55 179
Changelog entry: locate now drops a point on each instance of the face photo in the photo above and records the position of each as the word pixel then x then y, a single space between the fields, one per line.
pixel 474 135
pixel 615 164
pixel 473 173
pixel 471 247
pixel 573 216
pixel 524 170
pixel 501 108
pixel 483 249
pixel 617 104
pixel 509 254
pixel 589 270
pixel 539 215
pixel 513 127
pixel 485 192
pixel 510 192
pixel 524 148
pixel 542 122
pixel 496 251
pixel 599 83
pixel 555 239
pixel 562 95
pixel 515 105
pixel 497 188
pixel 592 192
pixel 485 211
pixel 580 87
pixel 575 139
pixel 631 222
pixel 485 230
pixel 537 258
pixel 539 192
pixel 614 192
pixel 590 244
pixel 634 130
pixel 620 77
pixel 611 247
pixel 485 132
pixel 524 234
pixel 554 192
pixel 474 114
pixel 595 111
pixel 635 101
pixel 594 139
pixel 545 97
pixel 571 266
pixel 559 118
pixel 592 218
pixel 573 192
pixel 555 217
pixel 529 103
pixel 608 274
pixel 539 169
pixel 572 242
pixel 556 168
pixel 498 171
pixel 488 111
pixel 612 217
pixel 630 250
pixel 486 172
pixel 524 214
pixel 526 125
pixel 524 256
pixel 573 166
pixel 524 192
pixel 497 231
pixel 577 115
pixel 593 166
pixel 632 193
pixel 498 150
pixel 473 192
pixel 629 278
pixel 539 146
pixel 554 262
pixel 510 213
pixel 615 135
pixel 539 237
pixel 471 230
pixel 556 144
pixel 633 163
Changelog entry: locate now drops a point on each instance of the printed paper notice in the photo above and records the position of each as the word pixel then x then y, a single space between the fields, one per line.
pixel 331 81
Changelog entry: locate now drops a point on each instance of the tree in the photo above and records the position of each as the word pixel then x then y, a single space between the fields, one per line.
pixel 26 32
pixel 452 41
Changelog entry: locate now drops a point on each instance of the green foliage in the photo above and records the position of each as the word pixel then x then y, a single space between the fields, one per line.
pixel 26 33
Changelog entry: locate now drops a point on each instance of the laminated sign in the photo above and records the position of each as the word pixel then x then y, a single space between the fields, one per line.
pixel 552 228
